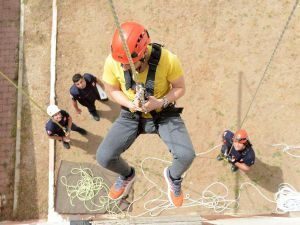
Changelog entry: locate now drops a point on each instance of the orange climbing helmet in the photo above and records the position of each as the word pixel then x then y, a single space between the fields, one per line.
pixel 137 39
pixel 241 136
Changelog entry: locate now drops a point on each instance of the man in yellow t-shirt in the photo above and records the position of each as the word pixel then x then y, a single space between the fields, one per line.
pixel 158 115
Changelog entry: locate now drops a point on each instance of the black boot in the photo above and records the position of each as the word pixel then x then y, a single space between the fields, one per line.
pixel 66 145
pixel 234 168
pixel 220 157
pixel 95 115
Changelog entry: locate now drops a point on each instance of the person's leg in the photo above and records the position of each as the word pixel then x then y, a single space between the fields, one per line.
pixel 121 135
pixel 92 110
pixel 173 132
pixel 224 151
pixel 65 144
pixel 119 138
pixel 80 130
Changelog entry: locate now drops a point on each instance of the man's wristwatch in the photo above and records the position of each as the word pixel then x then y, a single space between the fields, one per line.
pixel 165 102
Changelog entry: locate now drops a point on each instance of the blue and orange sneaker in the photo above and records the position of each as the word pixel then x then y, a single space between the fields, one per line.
pixel 122 186
pixel 175 194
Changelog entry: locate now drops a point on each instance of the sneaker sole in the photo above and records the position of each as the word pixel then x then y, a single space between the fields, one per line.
pixel 126 191
pixel 169 186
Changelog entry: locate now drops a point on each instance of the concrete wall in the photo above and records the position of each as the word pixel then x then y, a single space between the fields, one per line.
pixel 9 37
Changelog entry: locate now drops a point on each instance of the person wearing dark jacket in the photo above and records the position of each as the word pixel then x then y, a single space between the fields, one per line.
pixel 238 150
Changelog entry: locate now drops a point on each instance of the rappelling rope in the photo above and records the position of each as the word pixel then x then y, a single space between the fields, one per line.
pixel 271 59
pixel 287 198
pixel 139 89
pixel 92 191
pixel 286 148
pixel 116 19
pixel 32 100
pixel 267 66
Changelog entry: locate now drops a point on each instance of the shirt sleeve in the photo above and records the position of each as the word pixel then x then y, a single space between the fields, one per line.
pixel 89 77
pixel 175 70
pixel 72 94
pixel 108 72
pixel 249 159
pixel 49 128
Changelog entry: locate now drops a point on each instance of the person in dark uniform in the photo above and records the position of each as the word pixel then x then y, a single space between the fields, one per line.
pixel 238 150
pixel 86 90
pixel 62 132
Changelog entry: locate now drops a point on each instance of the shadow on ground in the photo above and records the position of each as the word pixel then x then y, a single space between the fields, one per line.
pixel 267 176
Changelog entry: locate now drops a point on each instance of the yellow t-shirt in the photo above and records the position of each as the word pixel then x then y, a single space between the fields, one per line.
pixel 168 69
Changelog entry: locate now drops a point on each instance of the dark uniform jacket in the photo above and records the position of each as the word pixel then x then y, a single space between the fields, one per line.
pixel 53 129
pixel 89 94
pixel 246 156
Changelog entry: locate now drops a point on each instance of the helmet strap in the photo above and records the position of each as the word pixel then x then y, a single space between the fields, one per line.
pixel 143 59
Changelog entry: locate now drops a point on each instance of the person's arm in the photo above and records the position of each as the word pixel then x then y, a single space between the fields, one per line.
pixel 58 138
pixel 75 105
pixel 100 83
pixel 242 166
pixel 69 123
pixel 117 96
pixel 177 91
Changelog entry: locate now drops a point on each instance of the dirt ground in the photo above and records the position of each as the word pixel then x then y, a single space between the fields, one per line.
pixel 224 47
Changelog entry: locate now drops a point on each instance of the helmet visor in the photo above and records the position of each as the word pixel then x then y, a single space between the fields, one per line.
pixel 240 140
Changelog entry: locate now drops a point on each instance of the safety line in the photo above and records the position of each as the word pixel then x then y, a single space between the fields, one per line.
pixel 267 66
pixel 132 67
pixel 32 100
pixel 271 59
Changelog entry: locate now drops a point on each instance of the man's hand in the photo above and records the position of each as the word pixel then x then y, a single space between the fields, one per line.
pixel 66 139
pixel 232 159
pixel 133 107
pixel 152 104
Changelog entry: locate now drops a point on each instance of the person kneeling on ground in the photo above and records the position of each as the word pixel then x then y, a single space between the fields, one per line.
pixel 237 149
pixel 86 89
pixel 62 132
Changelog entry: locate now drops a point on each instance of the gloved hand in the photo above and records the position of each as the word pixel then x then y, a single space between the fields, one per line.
pixel 67 132
pixel 231 159
pixel 67 129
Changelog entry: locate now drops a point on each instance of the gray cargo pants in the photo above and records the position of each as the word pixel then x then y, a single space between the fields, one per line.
pixel 126 129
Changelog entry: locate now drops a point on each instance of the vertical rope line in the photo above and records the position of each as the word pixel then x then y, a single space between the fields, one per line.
pixel 271 59
pixel 116 19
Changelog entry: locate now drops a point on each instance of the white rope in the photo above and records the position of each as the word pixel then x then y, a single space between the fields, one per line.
pixel 208 151
pixel 159 203
pixel 286 148
pixel 287 198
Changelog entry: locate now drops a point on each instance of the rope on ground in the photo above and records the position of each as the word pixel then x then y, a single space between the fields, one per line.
pixel 286 148
pixel 86 190
pixel 287 198
pixel 159 203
